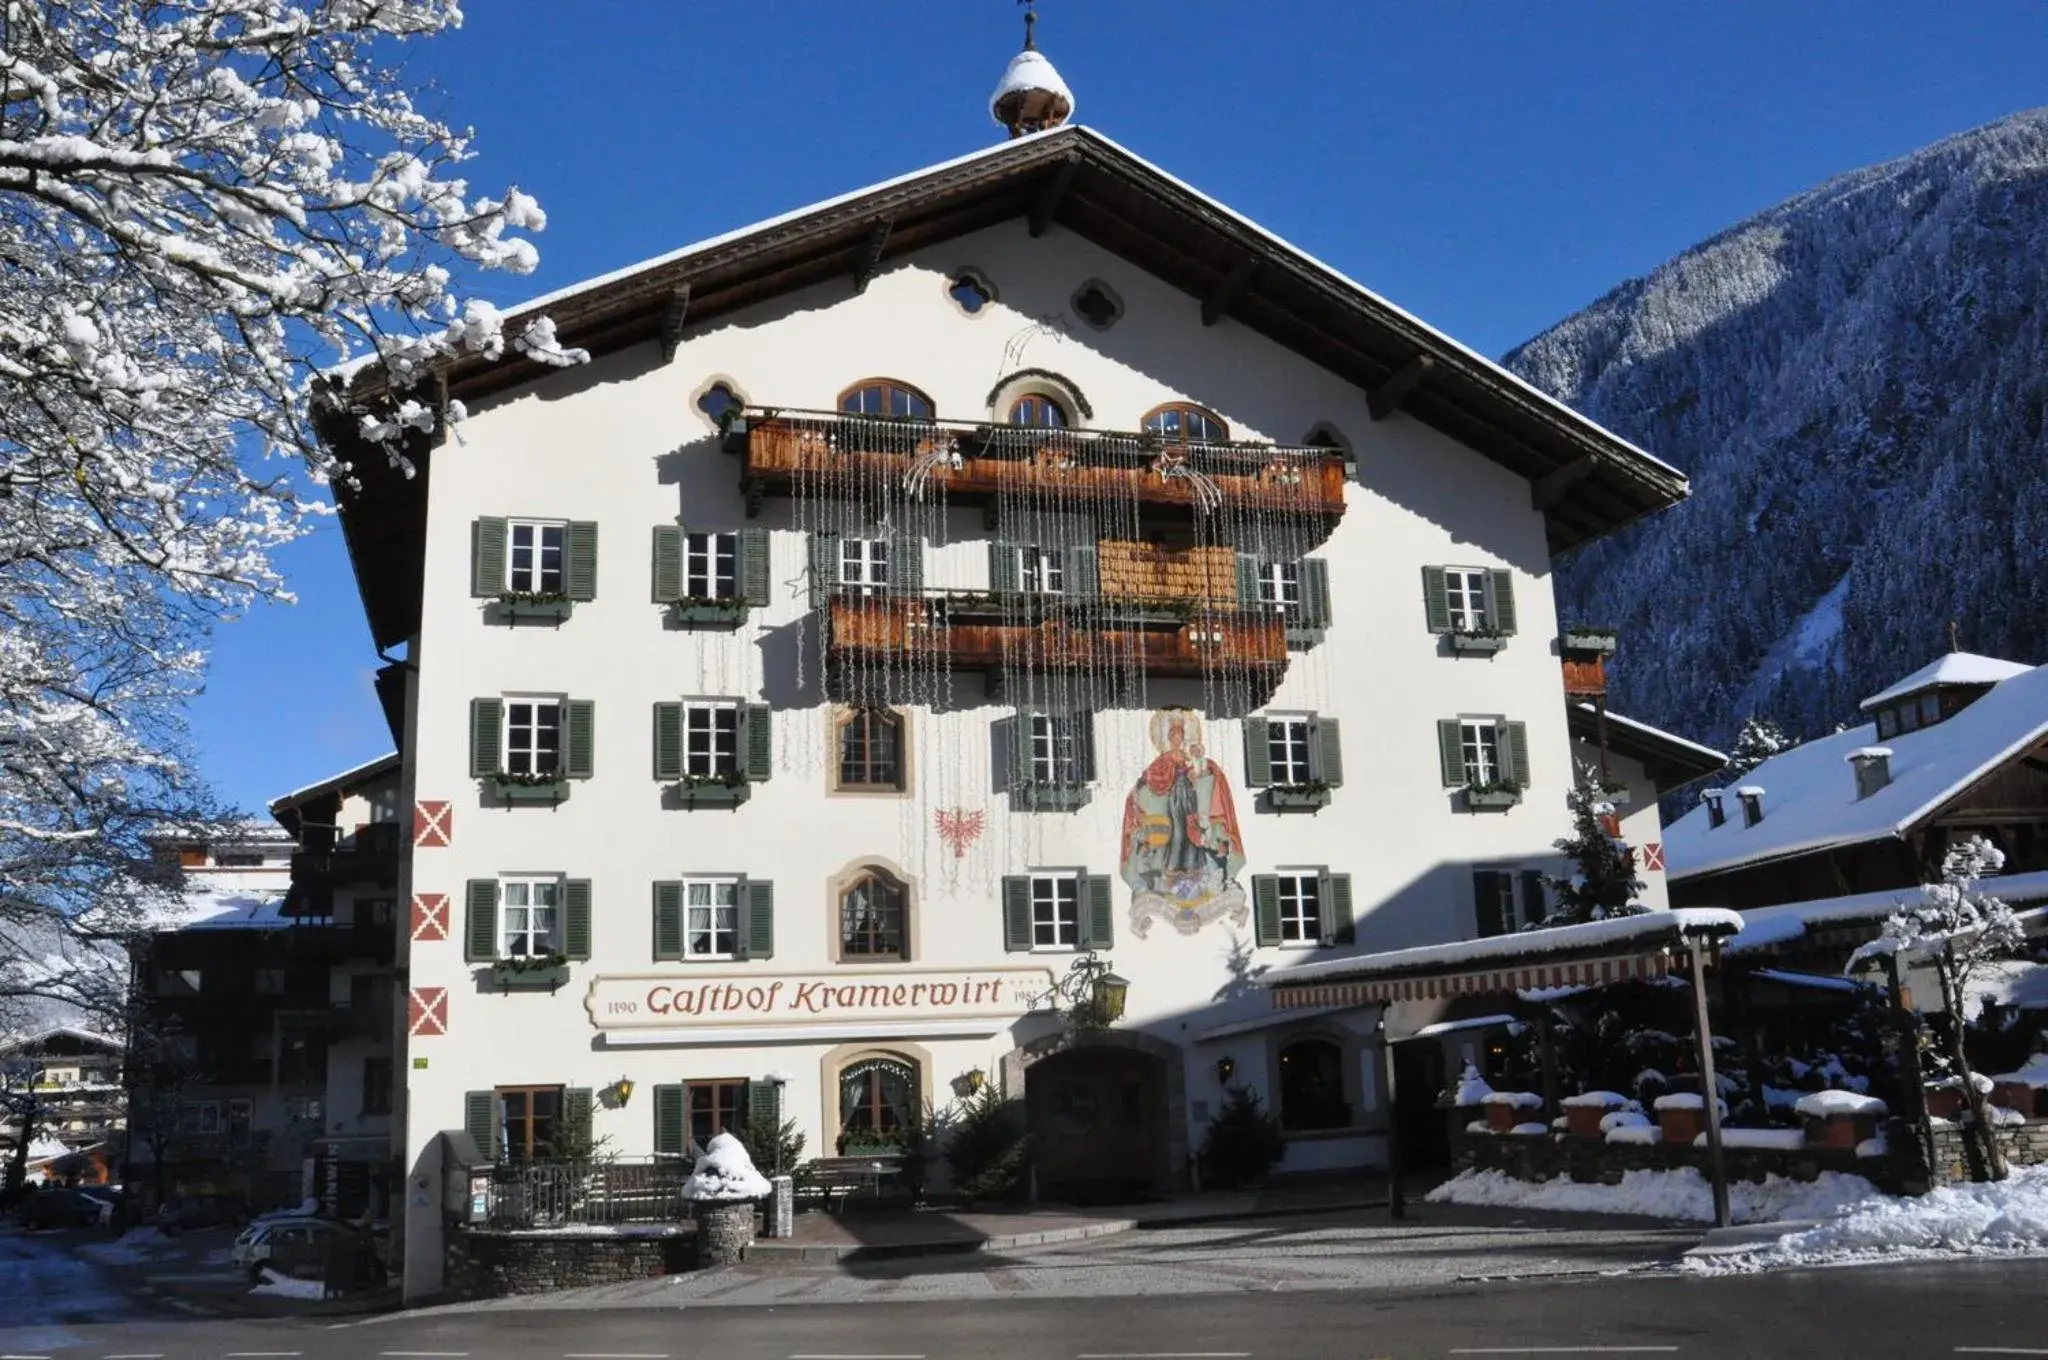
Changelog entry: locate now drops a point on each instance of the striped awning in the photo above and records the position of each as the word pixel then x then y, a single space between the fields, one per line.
pixel 1591 972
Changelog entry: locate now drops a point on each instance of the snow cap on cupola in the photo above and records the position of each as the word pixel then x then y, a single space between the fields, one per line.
pixel 1030 97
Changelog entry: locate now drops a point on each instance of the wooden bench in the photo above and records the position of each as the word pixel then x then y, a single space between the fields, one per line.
pixel 844 1177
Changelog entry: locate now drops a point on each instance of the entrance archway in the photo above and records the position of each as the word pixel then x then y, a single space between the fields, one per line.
pixel 1107 1112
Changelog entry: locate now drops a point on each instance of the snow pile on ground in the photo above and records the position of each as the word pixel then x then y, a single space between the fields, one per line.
pixel 136 1247
pixel 1679 1194
pixel 2008 1217
pixel 725 1174
pixel 281 1287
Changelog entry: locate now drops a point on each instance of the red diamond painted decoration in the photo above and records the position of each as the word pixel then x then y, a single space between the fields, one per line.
pixel 426 1012
pixel 430 916
pixel 1653 856
pixel 433 825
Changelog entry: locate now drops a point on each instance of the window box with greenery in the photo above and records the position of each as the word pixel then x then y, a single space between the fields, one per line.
pixel 533 973
pixel 714 790
pixel 532 569
pixel 527 749
pixel 1491 797
pixel 1296 759
pixel 1473 607
pixel 693 609
pixel 709 577
pixel 528 788
pixel 1586 637
pixel 713 751
pixel 1478 641
pixel 539 606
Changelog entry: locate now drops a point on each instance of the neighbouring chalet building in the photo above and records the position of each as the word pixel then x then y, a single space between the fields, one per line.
pixel 1959 748
pixel 1024 562
pixel 264 1067
pixel 74 1075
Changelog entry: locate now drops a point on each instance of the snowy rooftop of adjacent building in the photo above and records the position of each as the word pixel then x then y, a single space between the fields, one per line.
pixel 1643 930
pixel 1766 927
pixel 1813 804
pixel 1956 668
pixel 228 909
pixel 1669 759
pixel 43 1036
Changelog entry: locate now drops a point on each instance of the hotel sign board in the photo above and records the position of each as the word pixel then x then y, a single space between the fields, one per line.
pixel 689 999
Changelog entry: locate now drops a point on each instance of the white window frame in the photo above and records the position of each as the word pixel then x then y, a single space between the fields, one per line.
pixel 539 929
pixel 1050 732
pixel 531 752
pixel 1055 910
pixel 1468 591
pixel 1290 748
pixel 702 737
pixel 701 902
pixel 531 576
pixel 1480 743
pixel 1280 585
pixel 1040 572
pixel 1301 908
pixel 711 565
pixel 864 565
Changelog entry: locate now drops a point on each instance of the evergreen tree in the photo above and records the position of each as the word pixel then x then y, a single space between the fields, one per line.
pixel 1603 880
pixel 1758 741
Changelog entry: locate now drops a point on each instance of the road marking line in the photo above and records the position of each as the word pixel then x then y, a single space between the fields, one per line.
pixel 412 1355
pixel 614 1355
pixel 250 1355
pixel 1998 1350
pixel 136 1355
pixel 1164 1355
pixel 1564 1350
pixel 856 1357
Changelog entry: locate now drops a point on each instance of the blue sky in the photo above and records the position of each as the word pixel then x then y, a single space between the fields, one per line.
pixel 1490 166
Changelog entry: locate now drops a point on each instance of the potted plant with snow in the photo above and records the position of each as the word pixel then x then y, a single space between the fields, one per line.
pixel 1504 1108
pixel 2021 1090
pixel 1585 1113
pixel 1839 1119
pixel 1682 1116
pixel 723 1189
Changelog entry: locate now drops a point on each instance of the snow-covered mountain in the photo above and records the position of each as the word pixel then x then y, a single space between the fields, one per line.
pixel 1855 380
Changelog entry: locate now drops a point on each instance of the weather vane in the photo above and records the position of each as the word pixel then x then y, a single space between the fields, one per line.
pixel 1030 19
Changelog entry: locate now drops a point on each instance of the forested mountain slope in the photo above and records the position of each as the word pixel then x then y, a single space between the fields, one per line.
pixel 1855 381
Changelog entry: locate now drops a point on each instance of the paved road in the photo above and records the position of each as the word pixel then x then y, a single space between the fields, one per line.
pixel 1878 1313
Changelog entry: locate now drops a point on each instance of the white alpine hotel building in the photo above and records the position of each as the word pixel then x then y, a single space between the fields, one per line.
pixel 915 595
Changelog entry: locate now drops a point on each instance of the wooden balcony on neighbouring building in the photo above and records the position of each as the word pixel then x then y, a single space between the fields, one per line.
pixel 1585 677
pixel 822 453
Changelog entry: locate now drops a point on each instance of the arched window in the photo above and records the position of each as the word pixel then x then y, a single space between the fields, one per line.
pixel 871 918
pixel 1183 423
pixel 878 1105
pixel 870 749
pixel 885 397
pixel 1036 409
pixel 1312 1086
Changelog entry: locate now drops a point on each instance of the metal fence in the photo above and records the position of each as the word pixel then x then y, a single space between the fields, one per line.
pixel 560 1194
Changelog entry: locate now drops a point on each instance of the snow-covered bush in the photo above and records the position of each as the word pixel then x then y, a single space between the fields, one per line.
pixel 725 1174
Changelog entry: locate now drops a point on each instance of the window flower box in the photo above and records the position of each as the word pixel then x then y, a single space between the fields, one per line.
pixel 1491 797
pixel 713 791
pixel 1588 639
pixel 536 606
pixel 1477 643
pixel 1298 797
pixel 1050 797
pixel 519 788
pixel 535 973
pixel 709 611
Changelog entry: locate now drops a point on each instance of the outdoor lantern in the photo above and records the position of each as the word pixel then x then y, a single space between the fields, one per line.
pixel 1226 1068
pixel 1110 994
pixel 623 1089
pixel 976 1079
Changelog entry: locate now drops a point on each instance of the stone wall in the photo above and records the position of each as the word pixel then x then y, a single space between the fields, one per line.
pixel 1956 1157
pixel 489 1265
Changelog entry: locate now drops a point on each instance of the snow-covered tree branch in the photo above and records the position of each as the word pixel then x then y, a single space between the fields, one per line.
pixel 202 205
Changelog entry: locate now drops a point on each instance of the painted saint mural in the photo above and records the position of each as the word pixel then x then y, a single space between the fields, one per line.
pixel 1182 848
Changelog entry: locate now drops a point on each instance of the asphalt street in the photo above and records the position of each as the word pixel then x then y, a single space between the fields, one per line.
pixel 1873 1313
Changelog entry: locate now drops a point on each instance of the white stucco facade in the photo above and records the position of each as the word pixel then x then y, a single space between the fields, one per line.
pixel 622 444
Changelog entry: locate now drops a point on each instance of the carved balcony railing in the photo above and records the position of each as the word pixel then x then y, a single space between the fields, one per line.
pixel 823 453
pixel 1585 677
pixel 993 633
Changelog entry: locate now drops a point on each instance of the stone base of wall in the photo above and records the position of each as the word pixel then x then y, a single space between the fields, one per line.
pixel 483 1264
pixel 1956 1157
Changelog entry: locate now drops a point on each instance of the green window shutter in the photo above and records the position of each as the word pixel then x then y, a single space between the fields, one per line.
pixel 1247 581
pixel 669 1122
pixel 480 1118
pixel 1083 722
pixel 579 575
pixel 1486 892
pixel 754 566
pixel 1503 590
pixel 1258 754
pixel 1436 600
pixel 486 735
pixel 1518 754
pixel 579 736
pixel 1002 568
pixel 824 550
pixel 1265 909
pixel 1083 572
pixel 1327 746
pixel 1020 749
pixel 757 736
pixel 1098 923
pixel 1535 903
pixel 480 924
pixel 1016 913
pixel 1340 926
pixel 1450 745
pixel 764 1101
pixel 757 910
pixel 1315 593
pixel 577 1107
pixel 668 563
pixel 668 920
pixel 576 918
pixel 668 741
pixel 487 558
pixel 906 565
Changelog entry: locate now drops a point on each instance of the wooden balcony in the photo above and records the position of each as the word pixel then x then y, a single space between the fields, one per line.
pixel 993 633
pixel 821 453
pixel 1585 677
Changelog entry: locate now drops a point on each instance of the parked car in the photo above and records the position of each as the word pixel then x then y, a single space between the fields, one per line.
pixel 301 1248
pixel 200 1211
pixel 64 1209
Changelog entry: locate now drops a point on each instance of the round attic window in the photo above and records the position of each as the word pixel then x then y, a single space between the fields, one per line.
pixel 1096 303
pixel 971 291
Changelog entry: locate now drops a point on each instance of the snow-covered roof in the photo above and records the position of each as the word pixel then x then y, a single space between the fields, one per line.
pixel 42 1036
pixel 338 783
pixel 1029 70
pixel 230 909
pixel 1956 668
pixel 1643 930
pixel 1813 803
pixel 1669 759
pixel 1765 927
pixel 46 1150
